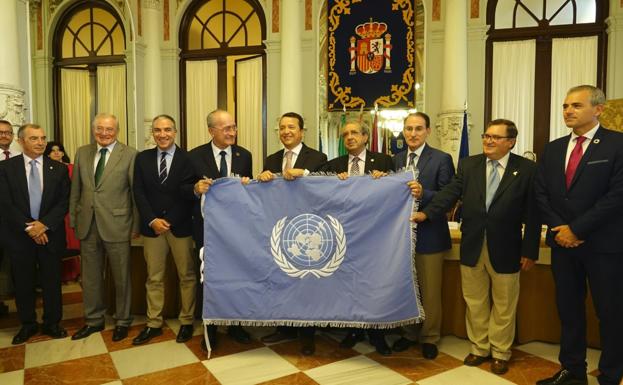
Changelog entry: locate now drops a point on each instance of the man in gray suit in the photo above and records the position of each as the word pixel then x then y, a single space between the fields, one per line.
pixel 104 216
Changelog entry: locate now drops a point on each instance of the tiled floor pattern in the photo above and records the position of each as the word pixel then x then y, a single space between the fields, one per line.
pixel 97 360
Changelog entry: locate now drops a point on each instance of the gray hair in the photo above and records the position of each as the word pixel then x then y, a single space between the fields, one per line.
pixel 104 115
pixel 23 127
pixel 362 126
pixel 164 116
pixel 210 118
pixel 597 95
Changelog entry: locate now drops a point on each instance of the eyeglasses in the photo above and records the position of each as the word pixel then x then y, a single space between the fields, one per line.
pixel 227 129
pixel 495 138
pixel 106 130
pixel 6 133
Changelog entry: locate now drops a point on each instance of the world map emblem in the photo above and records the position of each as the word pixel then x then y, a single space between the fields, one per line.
pixel 308 244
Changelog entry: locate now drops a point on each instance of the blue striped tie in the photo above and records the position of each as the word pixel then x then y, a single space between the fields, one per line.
pixel 34 190
pixel 162 175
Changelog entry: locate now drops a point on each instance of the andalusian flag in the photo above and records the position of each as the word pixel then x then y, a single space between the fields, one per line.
pixel 341 149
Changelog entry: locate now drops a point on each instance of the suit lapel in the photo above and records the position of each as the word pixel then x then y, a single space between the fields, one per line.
pixel 370 159
pixel 511 173
pixel 481 177
pixel 560 160
pixel 300 159
pixel 235 161
pixel 90 164
pixel 153 163
pixel 48 170
pixel 401 159
pixel 115 157
pixel 20 177
pixel 424 159
pixel 592 147
pixel 208 158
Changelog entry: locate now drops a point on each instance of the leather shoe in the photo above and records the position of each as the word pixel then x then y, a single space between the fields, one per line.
pixel 185 333
pixel 277 336
pixel 429 351
pixel 120 333
pixel 308 346
pixel 351 339
pixel 402 344
pixel 499 366
pixel 145 335
pixel 54 331
pixel 474 360
pixel 238 334
pixel 86 331
pixel 25 332
pixel 381 346
pixel 563 377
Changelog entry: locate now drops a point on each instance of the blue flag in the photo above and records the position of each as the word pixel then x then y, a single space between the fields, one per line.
pixel 313 251
pixel 464 149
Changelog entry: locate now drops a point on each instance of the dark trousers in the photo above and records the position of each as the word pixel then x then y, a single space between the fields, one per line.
pixel 571 269
pixel 26 265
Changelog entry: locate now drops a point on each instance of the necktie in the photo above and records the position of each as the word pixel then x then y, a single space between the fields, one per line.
pixel 6 154
pixel 99 169
pixel 288 160
pixel 493 183
pixel 223 168
pixel 34 190
pixel 574 160
pixel 354 167
pixel 162 174
pixel 411 159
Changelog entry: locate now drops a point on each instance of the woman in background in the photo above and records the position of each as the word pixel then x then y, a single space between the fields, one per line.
pixel 71 261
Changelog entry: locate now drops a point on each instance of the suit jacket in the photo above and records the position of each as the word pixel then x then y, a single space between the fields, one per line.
pixel 593 205
pixel 172 200
pixel 15 203
pixel 203 164
pixel 514 204
pixel 374 161
pixel 111 202
pixel 308 159
pixel 435 171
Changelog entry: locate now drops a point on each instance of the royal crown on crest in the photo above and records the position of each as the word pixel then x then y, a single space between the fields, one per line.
pixel 371 29
pixel 372 50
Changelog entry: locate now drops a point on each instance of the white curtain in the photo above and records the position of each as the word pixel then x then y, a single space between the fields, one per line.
pixel 201 99
pixel 249 108
pixel 111 95
pixel 75 107
pixel 512 94
pixel 574 62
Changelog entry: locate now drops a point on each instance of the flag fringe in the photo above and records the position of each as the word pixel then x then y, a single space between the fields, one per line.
pixel 307 323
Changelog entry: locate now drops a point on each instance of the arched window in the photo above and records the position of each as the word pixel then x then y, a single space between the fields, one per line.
pixel 223 66
pixel 89 71
pixel 536 50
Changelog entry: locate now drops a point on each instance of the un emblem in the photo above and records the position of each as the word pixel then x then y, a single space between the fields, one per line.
pixel 308 244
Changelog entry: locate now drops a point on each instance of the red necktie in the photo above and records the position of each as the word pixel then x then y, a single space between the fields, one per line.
pixel 6 154
pixel 574 160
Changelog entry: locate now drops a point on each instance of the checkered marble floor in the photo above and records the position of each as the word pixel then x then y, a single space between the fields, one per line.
pixel 98 360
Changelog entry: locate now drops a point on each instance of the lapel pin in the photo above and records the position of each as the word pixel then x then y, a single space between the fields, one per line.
pixel 237 154
pixel 596 141
pixel 372 160
pixel 51 168
pixel 515 172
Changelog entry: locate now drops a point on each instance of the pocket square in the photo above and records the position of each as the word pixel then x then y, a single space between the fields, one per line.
pixel 597 161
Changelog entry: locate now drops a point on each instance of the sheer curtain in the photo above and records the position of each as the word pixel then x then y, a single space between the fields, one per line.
pixel 111 95
pixel 201 99
pixel 249 108
pixel 75 107
pixel 574 62
pixel 512 94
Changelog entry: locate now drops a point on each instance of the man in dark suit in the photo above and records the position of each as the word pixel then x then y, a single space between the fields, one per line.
pixel 579 189
pixel 102 210
pixel 433 238
pixel 163 191
pixel 496 188
pixel 294 161
pixel 34 196
pixel 360 161
pixel 219 158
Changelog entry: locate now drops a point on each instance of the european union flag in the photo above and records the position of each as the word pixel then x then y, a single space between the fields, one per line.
pixel 313 251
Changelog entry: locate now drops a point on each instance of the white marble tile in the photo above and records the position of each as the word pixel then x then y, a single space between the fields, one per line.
pixel 114 383
pixel 151 358
pixel 58 350
pixel 465 375
pixel 364 347
pixel 455 347
pixel 357 370
pixel 592 380
pixel 74 310
pixel 250 367
pixel 550 352
pixel 15 377
pixel 6 336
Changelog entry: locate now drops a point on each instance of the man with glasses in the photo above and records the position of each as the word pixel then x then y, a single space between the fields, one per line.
pixel 219 158
pixel 102 211
pixel 6 139
pixel 163 191
pixel 496 188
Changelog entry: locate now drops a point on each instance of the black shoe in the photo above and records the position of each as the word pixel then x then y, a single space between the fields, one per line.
pixel 277 336
pixel 238 334
pixel 429 351
pixel 474 360
pixel 24 334
pixel 211 330
pixel 120 333
pixel 54 331
pixel 145 335
pixel 381 346
pixel 86 331
pixel 308 346
pixel 402 344
pixel 351 339
pixel 4 309
pixel 563 377
pixel 185 333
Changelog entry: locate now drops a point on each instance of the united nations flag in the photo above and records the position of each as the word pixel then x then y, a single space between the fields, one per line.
pixel 314 251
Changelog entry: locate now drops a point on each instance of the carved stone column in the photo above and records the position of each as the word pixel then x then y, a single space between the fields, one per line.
pixel 152 37
pixel 291 63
